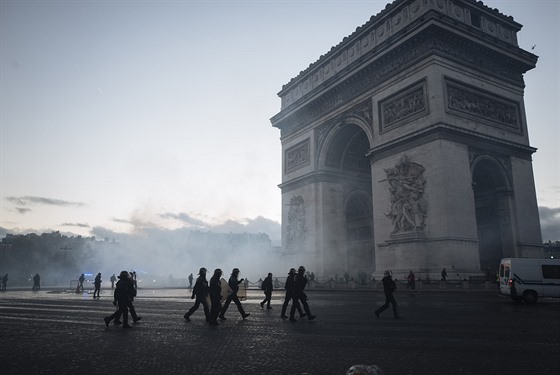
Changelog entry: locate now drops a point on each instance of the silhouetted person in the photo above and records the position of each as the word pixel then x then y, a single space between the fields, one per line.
pixel 133 291
pixel 133 278
pixel 97 285
pixel 122 295
pixel 267 288
pixel 289 287
pixel 215 296
pixel 411 280
pixel 36 282
pixel 443 276
pixel 4 282
pixel 300 281
pixel 113 279
pixel 200 291
pixel 81 280
pixel 190 280
pixel 234 285
pixel 388 288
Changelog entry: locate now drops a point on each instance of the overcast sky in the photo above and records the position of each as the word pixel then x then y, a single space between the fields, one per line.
pixel 123 115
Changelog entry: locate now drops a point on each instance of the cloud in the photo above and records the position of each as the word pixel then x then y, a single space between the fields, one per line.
pixel 23 210
pixel 79 225
pixel 28 200
pixel 550 223
pixel 185 218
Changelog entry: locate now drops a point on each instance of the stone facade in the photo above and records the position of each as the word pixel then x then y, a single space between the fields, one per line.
pixel 405 147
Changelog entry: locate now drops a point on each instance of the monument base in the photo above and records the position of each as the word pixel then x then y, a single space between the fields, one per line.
pixel 427 257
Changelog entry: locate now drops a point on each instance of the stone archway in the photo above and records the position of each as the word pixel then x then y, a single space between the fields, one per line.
pixel 345 159
pixel 492 194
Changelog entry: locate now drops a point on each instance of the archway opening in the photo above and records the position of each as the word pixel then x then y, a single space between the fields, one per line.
pixel 346 159
pixel 492 214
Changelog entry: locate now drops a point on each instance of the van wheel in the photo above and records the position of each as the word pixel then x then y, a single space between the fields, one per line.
pixel 530 297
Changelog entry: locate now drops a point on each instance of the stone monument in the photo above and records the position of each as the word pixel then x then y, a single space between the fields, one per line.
pixel 405 147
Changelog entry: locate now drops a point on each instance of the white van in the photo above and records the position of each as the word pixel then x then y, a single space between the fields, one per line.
pixel 528 279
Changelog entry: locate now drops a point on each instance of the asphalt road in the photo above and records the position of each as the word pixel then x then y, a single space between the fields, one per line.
pixel 443 332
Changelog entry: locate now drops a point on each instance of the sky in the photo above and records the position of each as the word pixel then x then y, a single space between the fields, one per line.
pixel 121 116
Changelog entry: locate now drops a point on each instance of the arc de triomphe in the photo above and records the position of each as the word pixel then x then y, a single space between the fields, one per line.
pixel 405 147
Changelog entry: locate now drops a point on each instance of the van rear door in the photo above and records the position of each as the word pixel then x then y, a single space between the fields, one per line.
pixel 504 277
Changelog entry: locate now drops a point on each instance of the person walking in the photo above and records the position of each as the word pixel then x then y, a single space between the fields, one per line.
pixel 81 280
pixel 97 285
pixel 289 287
pixel 267 288
pixel 123 293
pixel 4 282
pixel 36 282
pixel 443 277
pixel 215 296
pixel 200 292
pixel 113 279
pixel 133 291
pixel 233 283
pixel 300 281
pixel 190 280
pixel 411 280
pixel 388 288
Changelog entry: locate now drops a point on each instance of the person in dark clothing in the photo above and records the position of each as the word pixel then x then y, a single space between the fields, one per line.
pixel 97 285
pixel 123 292
pixel 443 275
pixel 389 288
pixel 215 296
pixel 200 291
pixel 190 280
pixel 234 285
pixel 113 280
pixel 4 282
pixel 81 280
pixel 300 281
pixel 267 288
pixel 36 282
pixel 289 287
pixel 132 293
pixel 411 280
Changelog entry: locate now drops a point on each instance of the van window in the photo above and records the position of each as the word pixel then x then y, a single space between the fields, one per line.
pixel 501 270
pixel 550 271
pixel 506 271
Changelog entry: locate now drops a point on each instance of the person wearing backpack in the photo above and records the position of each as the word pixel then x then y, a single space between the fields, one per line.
pixel 267 288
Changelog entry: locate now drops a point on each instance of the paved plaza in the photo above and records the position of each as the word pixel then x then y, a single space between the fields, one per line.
pixel 443 332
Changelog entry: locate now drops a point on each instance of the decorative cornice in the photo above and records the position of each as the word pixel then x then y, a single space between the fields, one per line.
pixel 452 133
pixel 472 17
pixel 433 40
pixel 322 176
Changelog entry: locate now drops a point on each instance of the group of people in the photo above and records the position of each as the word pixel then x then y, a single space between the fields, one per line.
pixel 124 294
pixel 210 295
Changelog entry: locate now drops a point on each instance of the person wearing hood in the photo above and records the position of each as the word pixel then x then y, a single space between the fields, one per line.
pixel 200 291
pixel 389 288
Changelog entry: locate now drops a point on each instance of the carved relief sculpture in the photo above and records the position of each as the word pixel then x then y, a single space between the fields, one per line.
pixel 406 186
pixel 295 233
